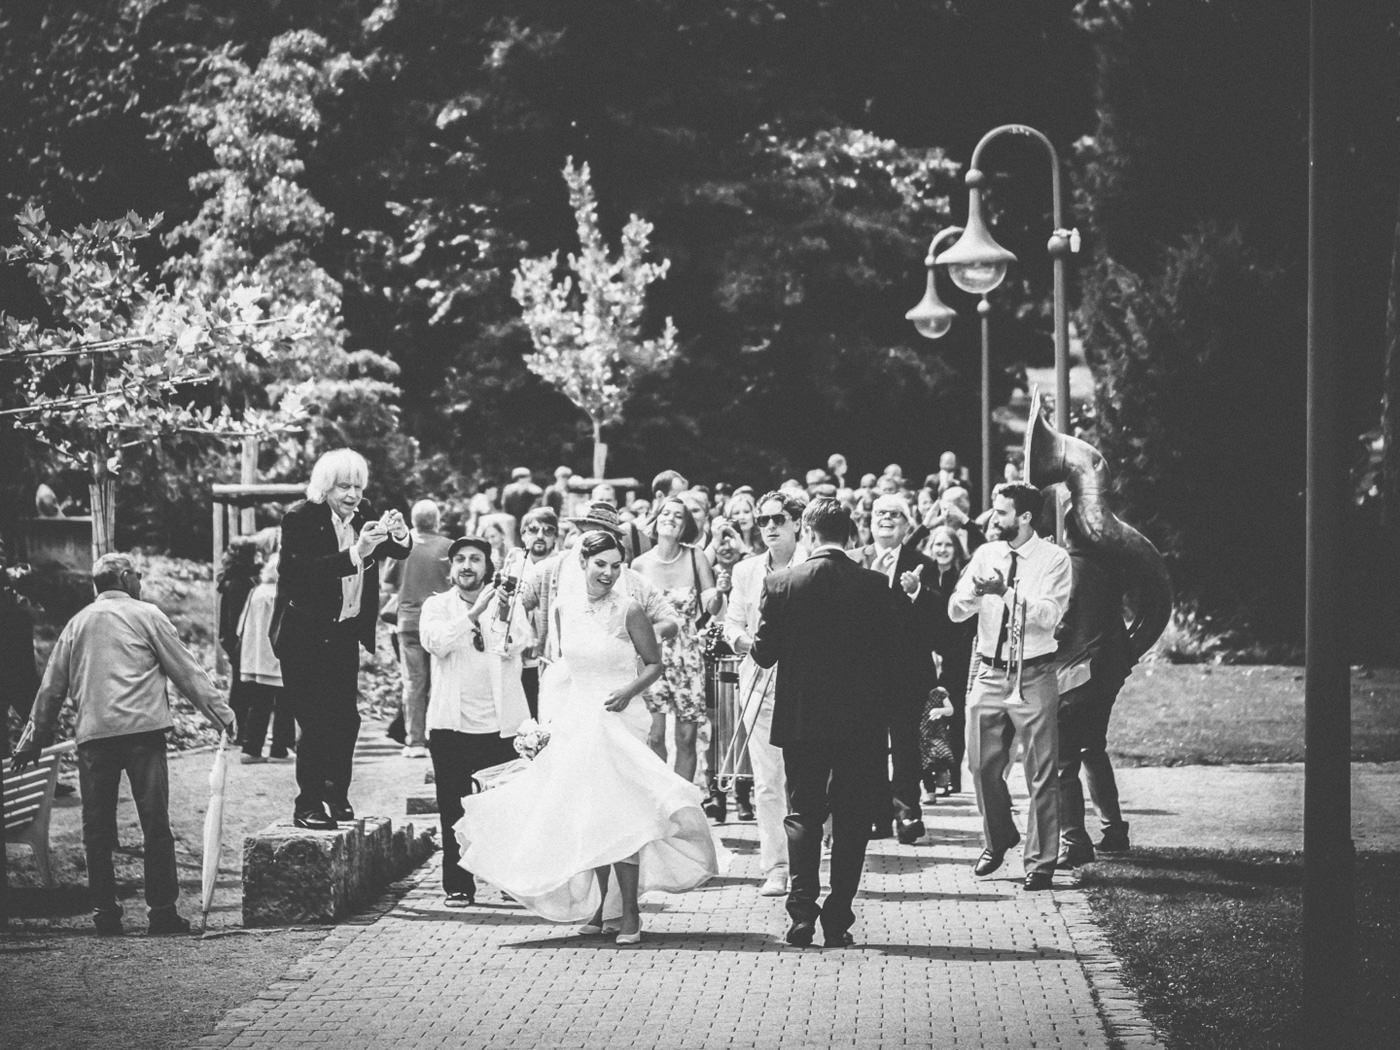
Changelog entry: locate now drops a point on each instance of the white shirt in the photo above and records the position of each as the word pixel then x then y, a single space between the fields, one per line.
pixel 1043 580
pixel 473 692
pixel 746 589
pixel 350 586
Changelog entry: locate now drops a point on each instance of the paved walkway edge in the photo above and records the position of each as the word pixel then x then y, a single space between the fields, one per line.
pixel 1118 1005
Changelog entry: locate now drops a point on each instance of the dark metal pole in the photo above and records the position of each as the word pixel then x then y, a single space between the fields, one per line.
pixel 984 311
pixel 1329 913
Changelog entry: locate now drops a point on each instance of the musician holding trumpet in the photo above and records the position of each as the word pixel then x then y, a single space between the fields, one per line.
pixel 1018 587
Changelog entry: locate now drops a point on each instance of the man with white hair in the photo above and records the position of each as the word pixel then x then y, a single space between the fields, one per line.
pixel 116 658
pixel 421 574
pixel 327 606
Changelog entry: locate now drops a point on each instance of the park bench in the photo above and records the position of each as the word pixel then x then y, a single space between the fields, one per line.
pixel 28 802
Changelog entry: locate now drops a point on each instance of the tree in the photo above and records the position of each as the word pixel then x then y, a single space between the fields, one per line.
pixel 117 371
pixel 586 329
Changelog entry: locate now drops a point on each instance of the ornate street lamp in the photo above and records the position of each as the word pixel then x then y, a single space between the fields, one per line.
pixel 977 263
pixel 933 317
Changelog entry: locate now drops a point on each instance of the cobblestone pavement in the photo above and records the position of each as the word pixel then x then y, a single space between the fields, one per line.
pixel 942 959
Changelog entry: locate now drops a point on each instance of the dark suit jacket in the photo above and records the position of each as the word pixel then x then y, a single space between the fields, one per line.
pixel 309 573
pixel 829 625
pixel 915 673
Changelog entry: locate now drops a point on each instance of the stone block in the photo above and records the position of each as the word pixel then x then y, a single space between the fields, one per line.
pixel 292 875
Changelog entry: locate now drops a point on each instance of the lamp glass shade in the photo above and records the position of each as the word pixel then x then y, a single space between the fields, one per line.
pixel 932 317
pixel 976 262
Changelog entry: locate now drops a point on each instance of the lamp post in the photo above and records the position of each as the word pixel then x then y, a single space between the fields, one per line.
pixel 977 263
pixel 933 317
pixel 984 311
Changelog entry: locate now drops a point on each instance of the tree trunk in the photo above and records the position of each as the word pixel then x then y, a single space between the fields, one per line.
pixel 1390 398
pixel 102 493
pixel 600 450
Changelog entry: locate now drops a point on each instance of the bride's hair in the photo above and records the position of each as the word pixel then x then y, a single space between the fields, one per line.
pixel 598 541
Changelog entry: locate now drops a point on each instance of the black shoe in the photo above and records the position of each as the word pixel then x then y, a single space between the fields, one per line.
pixel 458 900
pixel 165 924
pixel 745 808
pixel 1074 856
pixel 341 811
pixel 800 934
pixel 910 831
pixel 1114 842
pixel 882 829
pixel 1038 880
pixel 843 939
pixel 313 820
pixel 990 860
pixel 716 807
pixel 107 925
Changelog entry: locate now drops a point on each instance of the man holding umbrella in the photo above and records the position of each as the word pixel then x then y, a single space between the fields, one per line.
pixel 116 658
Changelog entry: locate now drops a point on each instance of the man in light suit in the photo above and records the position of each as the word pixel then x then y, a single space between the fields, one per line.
pixel 779 518
pixel 913 673
pixel 327 604
pixel 827 624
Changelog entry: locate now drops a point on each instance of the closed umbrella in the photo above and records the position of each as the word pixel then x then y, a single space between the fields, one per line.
pixel 214 824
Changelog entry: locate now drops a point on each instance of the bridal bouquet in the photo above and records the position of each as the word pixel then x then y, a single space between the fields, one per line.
pixel 530 738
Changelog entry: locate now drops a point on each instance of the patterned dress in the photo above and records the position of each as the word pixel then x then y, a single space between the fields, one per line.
pixel 681 689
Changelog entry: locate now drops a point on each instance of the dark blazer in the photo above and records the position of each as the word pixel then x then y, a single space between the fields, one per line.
pixel 829 626
pixel 952 641
pixel 915 673
pixel 309 573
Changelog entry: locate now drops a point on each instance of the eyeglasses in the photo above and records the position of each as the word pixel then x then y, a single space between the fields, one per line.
pixel 889 514
pixel 478 643
pixel 545 529
pixel 764 520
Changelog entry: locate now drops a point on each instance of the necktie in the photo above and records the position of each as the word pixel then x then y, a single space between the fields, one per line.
pixel 1006 609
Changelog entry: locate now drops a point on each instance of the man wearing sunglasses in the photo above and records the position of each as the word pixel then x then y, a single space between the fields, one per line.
pixel 476 701
pixel 778 518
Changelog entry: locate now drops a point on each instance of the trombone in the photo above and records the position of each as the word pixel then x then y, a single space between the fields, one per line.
pixel 1016 646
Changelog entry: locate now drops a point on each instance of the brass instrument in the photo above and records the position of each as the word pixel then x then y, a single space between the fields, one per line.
pixel 1015 645
pixel 508 579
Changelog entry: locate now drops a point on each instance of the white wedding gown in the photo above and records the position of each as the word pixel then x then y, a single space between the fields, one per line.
pixel 596 795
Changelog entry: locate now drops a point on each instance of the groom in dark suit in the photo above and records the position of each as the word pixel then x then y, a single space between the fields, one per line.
pixel 327 602
pixel 829 626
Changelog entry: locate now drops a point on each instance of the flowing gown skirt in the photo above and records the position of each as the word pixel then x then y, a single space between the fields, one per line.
pixel 595 796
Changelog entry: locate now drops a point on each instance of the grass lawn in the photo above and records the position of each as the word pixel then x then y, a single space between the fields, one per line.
pixel 1209 714
pixel 1212 943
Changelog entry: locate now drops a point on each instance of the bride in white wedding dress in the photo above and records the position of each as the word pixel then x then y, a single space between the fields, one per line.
pixel 597 802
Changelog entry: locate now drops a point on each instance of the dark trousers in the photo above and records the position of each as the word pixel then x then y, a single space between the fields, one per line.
pixel 530 682
pixel 905 766
pixel 842 779
pixel 321 679
pixel 1084 714
pixel 100 766
pixel 266 704
pixel 456 759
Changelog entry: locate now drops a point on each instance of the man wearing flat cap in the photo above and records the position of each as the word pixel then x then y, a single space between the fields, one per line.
pixel 914 673
pixel 476 700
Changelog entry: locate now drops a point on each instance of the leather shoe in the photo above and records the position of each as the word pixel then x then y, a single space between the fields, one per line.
pixel 910 831
pixel 164 924
pixel 1074 856
pixel 843 939
pixel 341 811
pixel 313 820
pixel 716 807
pixel 882 829
pixel 1038 880
pixel 745 809
pixel 800 934
pixel 107 925
pixel 990 860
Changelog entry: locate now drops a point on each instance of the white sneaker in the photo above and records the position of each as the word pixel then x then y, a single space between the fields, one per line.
pixel 415 752
pixel 775 885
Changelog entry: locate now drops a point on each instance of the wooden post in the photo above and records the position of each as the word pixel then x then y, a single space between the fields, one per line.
pixel 248 475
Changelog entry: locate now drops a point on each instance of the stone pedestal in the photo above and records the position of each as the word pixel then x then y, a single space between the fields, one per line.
pixel 292 875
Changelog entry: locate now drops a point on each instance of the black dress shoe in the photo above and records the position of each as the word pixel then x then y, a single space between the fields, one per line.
pixel 1074 856
pixel 167 924
pixel 341 811
pixel 910 831
pixel 716 807
pixel 745 808
pixel 990 860
pixel 800 934
pixel 842 939
pixel 313 820
pixel 1038 880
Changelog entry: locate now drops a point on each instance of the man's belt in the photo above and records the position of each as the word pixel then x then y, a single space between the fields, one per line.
pixel 1002 665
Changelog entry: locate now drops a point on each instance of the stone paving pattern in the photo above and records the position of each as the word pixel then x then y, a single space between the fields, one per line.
pixel 942 960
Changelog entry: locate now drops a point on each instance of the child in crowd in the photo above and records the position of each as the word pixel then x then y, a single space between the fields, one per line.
pixel 935 752
pixel 262 674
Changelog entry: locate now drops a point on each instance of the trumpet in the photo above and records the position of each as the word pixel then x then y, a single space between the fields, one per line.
pixel 1016 646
